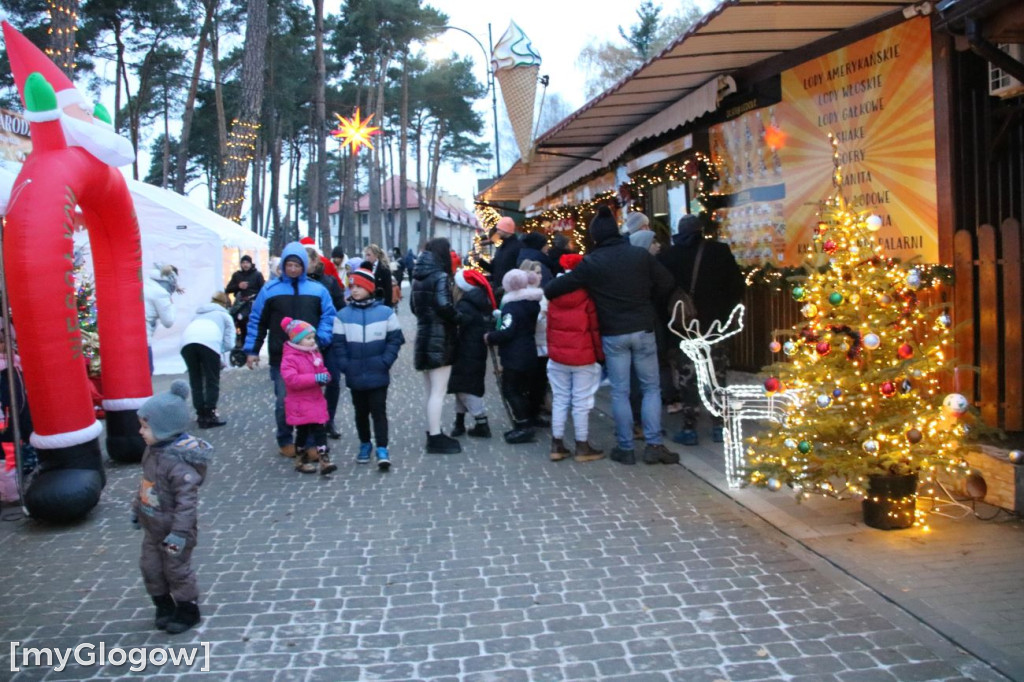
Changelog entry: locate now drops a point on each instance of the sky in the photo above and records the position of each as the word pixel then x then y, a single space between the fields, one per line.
pixel 558 29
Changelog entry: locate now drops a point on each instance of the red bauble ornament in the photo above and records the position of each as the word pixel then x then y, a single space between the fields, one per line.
pixel 772 385
pixel 823 348
pixel 888 388
pixel 914 436
pixel 905 351
pixel 830 246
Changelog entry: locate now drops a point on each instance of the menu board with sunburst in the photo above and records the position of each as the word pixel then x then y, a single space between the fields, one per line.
pixel 776 163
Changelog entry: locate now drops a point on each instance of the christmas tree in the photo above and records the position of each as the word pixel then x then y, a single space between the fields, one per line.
pixel 868 361
pixel 85 303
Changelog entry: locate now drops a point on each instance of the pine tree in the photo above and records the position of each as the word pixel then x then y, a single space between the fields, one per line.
pixel 868 361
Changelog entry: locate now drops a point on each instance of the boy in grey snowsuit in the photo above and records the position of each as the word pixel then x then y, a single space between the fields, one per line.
pixel 165 507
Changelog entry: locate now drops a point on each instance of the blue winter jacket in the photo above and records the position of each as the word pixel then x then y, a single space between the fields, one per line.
pixel 367 338
pixel 299 298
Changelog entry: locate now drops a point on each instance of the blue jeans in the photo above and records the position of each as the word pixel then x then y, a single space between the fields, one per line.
pixel 284 430
pixel 639 350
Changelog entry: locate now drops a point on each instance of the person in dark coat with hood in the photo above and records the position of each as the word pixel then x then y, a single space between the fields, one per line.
pixel 332 390
pixel 533 249
pixel 625 282
pixel 476 304
pixel 718 287
pixel 436 330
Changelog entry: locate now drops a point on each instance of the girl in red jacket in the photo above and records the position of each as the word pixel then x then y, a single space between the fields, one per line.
pixel 574 350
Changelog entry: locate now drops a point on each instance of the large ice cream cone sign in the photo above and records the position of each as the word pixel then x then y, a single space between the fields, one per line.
pixel 516 66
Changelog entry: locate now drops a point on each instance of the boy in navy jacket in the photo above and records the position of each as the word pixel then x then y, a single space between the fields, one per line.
pixel 367 338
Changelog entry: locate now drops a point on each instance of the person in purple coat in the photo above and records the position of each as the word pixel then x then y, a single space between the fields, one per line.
pixel 304 374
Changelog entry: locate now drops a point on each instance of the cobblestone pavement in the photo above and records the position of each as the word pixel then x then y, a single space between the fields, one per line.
pixel 495 564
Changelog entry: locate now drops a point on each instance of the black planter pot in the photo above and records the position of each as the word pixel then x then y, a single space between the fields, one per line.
pixel 890 502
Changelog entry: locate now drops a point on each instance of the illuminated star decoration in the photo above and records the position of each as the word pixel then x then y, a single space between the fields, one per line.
pixel 354 132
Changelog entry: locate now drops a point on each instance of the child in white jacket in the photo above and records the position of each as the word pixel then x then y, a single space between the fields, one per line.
pixel 210 334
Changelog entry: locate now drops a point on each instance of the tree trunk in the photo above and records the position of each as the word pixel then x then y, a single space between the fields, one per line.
pixel 235 165
pixel 403 155
pixel 256 214
pixel 376 233
pixel 218 95
pixel 166 167
pixel 421 205
pixel 190 100
pixel 319 207
pixel 61 45
pixel 435 164
pixel 273 212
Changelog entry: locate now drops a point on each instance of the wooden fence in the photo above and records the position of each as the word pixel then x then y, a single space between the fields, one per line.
pixel 987 312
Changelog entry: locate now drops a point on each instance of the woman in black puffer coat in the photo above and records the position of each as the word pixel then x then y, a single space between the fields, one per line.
pixel 436 327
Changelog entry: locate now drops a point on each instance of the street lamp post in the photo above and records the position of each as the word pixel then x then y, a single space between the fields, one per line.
pixel 490 84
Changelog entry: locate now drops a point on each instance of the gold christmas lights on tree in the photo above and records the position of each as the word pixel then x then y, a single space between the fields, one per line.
pixel 867 362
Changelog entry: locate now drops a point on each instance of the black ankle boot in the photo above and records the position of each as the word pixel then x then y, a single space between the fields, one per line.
pixel 164 610
pixel 441 444
pixel 213 419
pixel 460 424
pixel 481 429
pixel 202 421
pixel 186 614
pixel 522 433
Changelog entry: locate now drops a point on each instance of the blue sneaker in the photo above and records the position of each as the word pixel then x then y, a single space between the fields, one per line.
pixel 717 435
pixel 383 461
pixel 686 437
pixel 364 453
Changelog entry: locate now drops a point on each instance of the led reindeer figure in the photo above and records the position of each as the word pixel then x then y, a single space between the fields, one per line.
pixel 736 403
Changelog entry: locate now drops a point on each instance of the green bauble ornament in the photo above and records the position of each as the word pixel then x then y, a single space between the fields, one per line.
pixel 798 293
pixel 804 447
pixel 835 298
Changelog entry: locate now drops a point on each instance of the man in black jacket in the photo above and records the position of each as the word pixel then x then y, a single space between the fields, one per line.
pixel 506 256
pixel 625 281
pixel 717 288
pixel 245 284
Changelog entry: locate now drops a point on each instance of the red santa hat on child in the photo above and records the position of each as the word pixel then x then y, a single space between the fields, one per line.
pixel 467 279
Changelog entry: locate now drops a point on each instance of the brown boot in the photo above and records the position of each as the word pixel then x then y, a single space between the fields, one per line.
pixel 326 467
pixel 558 450
pixel 288 450
pixel 585 452
pixel 304 461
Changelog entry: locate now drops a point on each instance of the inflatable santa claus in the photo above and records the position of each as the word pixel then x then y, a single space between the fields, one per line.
pixel 72 167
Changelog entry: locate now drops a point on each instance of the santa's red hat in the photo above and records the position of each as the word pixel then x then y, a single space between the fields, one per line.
pixel 27 59
pixel 465 279
pixel 309 243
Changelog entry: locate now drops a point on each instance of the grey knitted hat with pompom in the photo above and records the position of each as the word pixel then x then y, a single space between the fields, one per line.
pixel 167 413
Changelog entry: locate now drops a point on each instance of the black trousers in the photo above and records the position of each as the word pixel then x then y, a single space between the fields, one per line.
pixel 371 403
pixel 203 375
pixel 538 387
pixel 317 431
pixel 515 386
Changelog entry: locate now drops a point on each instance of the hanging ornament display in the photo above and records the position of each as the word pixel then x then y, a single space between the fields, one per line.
pixel 837 392
pixel 906 386
pixel 829 246
pixel 809 310
pixel 774 485
pixel 789 348
pixel 823 401
pixel 772 385
pixel 905 351
pixel 775 346
pixel 914 436
pixel 884 300
pixel 790 443
pixel 822 228
pixel 955 405
pixel 870 446
pixel 823 348
pixel 871 341
pixel 804 447
pixel 945 320
pixel 888 388
pixel 874 223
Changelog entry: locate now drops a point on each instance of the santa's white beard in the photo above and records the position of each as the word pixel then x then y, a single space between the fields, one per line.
pixel 100 141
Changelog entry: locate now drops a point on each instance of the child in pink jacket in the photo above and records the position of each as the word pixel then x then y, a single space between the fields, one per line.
pixel 305 408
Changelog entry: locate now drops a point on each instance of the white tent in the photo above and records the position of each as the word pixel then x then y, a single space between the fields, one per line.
pixel 205 248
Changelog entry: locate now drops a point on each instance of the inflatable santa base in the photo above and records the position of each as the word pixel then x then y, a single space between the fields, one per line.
pixel 124 442
pixel 69 479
